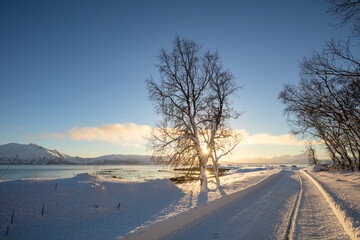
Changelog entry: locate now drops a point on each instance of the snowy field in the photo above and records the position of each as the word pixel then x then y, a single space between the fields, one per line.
pixel 254 203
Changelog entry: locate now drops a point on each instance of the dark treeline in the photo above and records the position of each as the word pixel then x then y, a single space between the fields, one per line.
pixel 325 104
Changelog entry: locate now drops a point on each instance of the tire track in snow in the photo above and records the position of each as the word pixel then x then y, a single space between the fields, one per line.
pixel 291 226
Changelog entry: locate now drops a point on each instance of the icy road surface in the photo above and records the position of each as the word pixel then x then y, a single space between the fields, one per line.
pixel 288 207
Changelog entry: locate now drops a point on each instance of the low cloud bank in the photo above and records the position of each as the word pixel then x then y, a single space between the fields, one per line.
pixel 131 134
pixel 127 134
pixel 265 138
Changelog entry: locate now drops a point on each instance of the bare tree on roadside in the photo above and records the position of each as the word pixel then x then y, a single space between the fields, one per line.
pixel 325 104
pixel 192 97
pixel 311 154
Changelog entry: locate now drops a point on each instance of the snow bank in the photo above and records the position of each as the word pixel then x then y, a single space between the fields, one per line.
pixel 315 168
pixel 350 225
pixel 82 207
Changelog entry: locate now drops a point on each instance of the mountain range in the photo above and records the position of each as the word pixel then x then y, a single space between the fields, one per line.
pixel 15 153
pixel 284 159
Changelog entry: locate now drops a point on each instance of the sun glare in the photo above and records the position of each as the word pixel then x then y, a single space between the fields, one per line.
pixel 205 150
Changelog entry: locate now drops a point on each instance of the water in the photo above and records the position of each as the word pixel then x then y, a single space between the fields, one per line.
pixel 140 173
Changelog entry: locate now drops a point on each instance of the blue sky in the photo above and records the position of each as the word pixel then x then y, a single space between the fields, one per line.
pixel 72 72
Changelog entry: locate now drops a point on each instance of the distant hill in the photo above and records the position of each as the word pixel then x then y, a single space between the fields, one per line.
pixel 285 159
pixel 14 153
pixel 120 159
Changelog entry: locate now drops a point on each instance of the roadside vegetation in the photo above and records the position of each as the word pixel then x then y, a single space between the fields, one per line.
pixel 324 106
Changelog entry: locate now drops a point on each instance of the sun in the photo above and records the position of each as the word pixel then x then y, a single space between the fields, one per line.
pixel 205 150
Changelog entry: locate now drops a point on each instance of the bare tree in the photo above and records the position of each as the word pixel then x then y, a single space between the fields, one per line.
pixel 345 10
pixel 311 154
pixel 325 104
pixel 192 97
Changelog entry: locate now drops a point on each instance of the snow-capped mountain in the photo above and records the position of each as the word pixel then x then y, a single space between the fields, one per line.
pixel 30 154
pixel 14 153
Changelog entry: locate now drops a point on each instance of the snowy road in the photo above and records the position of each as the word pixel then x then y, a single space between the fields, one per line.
pixel 314 218
pixel 267 214
pixel 262 214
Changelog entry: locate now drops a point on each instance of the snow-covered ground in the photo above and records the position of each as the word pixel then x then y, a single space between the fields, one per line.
pixel 86 206
pixel 254 203
pixel 83 207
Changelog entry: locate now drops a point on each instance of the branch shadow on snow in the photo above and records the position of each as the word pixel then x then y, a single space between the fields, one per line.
pixel 221 190
pixel 202 198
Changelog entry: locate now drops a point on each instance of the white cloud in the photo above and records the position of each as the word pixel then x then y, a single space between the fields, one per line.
pixel 127 134
pixel 131 134
pixel 265 138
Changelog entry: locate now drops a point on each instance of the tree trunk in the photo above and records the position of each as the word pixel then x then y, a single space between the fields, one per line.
pixel 216 171
pixel 203 177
